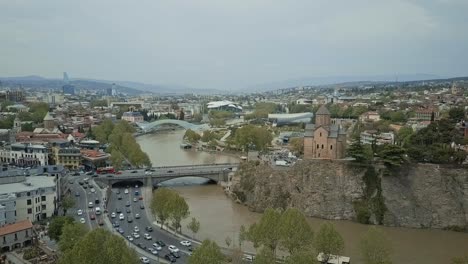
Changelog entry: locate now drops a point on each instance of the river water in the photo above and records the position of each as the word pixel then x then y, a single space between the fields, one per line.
pixel 221 218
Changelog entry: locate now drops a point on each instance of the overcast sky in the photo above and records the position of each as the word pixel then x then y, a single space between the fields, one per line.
pixel 228 44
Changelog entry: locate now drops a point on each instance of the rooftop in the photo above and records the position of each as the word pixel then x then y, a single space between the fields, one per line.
pixel 13 228
pixel 323 110
pixel 31 183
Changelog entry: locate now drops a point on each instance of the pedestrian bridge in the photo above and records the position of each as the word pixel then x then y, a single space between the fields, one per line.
pixel 184 124
pixel 213 172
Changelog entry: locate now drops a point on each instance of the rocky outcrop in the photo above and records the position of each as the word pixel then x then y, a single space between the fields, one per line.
pixel 422 196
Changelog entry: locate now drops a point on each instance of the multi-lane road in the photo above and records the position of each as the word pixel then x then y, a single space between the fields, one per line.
pixel 129 208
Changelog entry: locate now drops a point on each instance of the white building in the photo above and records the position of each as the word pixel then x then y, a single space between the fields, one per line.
pixel 7 208
pixel 35 196
pixel 371 136
pixel 25 154
pixel 133 117
pixel 224 105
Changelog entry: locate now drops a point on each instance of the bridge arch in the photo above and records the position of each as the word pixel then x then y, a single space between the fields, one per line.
pixel 181 123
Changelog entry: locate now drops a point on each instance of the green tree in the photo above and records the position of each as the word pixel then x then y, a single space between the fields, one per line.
pixel 194 226
pixel 267 231
pixel 296 233
pixel 253 137
pixel 56 225
pixel 265 256
pixel 117 159
pixel 242 235
pixel 358 151
pixel 192 136
pixel 456 114
pixel 302 257
pixel 67 203
pixel 328 241
pixel 99 246
pixel 375 247
pixel 460 260
pixel 297 145
pixel 27 127
pixel 71 234
pixel 208 253
pixel 404 135
pixel 161 204
pixel 179 210
pixel 393 155
pixel 103 131
pixel 228 241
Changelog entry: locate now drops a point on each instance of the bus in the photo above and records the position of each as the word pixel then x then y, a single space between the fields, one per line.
pixel 105 170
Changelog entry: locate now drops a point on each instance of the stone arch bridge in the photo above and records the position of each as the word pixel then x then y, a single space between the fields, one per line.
pixel 214 172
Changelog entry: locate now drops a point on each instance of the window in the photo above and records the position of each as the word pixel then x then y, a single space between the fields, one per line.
pixel 29 210
pixel 331 146
pixel 27 233
pixel 16 236
pixel 43 207
pixel 317 146
pixel 4 239
pixel 322 146
pixel 28 202
pixel 320 133
pixel 29 194
pixel 319 155
pixel 43 198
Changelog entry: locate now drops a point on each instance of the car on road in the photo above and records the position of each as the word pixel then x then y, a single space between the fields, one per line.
pixel 248 258
pixel 170 171
pixel 80 212
pixel 135 200
pixel 134 171
pixel 96 201
pixel 90 205
pixel 136 186
pixel 81 183
pixel 173 248
pixel 126 191
pixel 119 197
pixel 100 222
pixel 121 231
pixel 136 235
pixel 162 244
pixel 85 186
pixel 113 215
pixel 129 210
pixel 154 252
pixel 141 245
pixel 148 172
pixel 142 206
pixel 148 237
pixel 92 216
pixel 137 216
pixel 71 181
pixel 144 260
pixel 185 243
pixel 118 191
pixel 121 217
pixel 175 254
pixel 93 190
pixel 118 210
pixel 129 219
pixel 149 229
pixel 127 204
pixel 130 238
pixel 157 246
pixel 136 229
pixel 77 194
pixel 82 220
pixel 116 224
pixel 170 258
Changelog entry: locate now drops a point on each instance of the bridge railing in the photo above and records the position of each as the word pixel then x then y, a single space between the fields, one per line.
pixel 198 165
pixel 162 175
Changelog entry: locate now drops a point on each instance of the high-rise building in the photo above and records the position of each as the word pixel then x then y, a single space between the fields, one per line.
pixel 67 88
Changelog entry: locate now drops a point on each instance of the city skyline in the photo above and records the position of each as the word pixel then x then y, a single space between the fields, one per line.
pixel 232 45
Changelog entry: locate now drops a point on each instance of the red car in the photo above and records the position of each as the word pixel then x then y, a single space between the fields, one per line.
pixel 100 222
pixel 141 198
pixel 119 172
pixel 92 217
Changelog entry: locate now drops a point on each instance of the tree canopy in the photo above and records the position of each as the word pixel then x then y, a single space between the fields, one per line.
pixel 328 240
pixel 252 137
pixel 208 253
pixel 56 226
pixel 167 205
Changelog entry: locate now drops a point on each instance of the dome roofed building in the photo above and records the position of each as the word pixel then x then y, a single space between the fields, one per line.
pixel 324 140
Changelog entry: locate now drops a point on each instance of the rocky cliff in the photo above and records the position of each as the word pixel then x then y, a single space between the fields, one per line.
pixel 421 196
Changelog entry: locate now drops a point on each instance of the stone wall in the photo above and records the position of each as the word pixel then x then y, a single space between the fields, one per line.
pixel 421 196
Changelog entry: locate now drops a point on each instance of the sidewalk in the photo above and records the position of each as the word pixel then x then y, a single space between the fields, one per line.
pixel 13 257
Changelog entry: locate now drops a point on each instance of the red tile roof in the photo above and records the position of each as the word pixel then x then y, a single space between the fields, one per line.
pixel 16 227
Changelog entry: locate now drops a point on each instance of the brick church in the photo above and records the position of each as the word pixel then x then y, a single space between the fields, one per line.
pixel 324 140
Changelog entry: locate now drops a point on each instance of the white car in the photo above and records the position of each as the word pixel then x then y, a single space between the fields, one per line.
pixel 130 238
pixel 121 217
pixel 136 235
pixel 80 212
pixel 93 190
pixel 135 199
pixel 126 191
pixel 185 243
pixel 144 260
pixel 173 248
pixel 90 205
pixel 154 252
pixel 113 215
pixel 136 229
pixel 82 220
pixel 157 246
pixel 148 237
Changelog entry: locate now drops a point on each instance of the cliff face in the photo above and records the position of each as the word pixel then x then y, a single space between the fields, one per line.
pixel 423 196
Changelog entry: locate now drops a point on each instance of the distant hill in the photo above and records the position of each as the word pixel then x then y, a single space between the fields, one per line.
pixel 318 81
